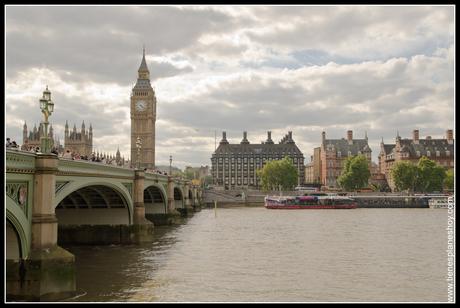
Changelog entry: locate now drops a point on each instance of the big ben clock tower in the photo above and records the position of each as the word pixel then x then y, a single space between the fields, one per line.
pixel 143 117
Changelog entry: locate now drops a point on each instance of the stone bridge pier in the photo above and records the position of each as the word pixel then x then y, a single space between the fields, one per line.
pixel 48 272
pixel 142 229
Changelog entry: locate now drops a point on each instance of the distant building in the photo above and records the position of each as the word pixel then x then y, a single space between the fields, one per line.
pixel 377 178
pixel 439 150
pixel 309 172
pixel 198 172
pixel 31 140
pixel 235 165
pixel 79 142
pixel 333 153
pixel 313 168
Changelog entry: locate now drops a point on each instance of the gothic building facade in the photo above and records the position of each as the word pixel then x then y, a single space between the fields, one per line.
pixel 79 142
pixel 235 165
pixel 143 118
pixel 31 140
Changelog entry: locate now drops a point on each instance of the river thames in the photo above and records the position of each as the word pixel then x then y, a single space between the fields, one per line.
pixel 252 254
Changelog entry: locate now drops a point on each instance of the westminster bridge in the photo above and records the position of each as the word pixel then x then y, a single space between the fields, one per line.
pixel 52 201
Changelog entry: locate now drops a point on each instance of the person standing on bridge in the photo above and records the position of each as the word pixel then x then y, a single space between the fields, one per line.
pixel 67 155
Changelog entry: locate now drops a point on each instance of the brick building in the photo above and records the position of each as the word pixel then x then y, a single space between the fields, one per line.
pixel 334 152
pixel 439 150
pixel 313 168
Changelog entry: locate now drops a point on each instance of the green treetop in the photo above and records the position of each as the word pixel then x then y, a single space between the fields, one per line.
pixel 278 174
pixel 426 176
pixel 404 175
pixel 355 173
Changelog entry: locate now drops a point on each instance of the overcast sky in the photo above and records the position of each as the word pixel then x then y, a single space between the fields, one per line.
pixel 303 69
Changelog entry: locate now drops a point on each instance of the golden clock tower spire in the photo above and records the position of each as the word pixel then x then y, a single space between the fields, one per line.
pixel 143 117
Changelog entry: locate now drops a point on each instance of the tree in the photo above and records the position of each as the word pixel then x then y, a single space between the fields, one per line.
pixel 430 176
pixel 404 175
pixel 189 174
pixel 426 176
pixel 207 180
pixel 355 173
pixel 278 174
pixel 380 187
pixel 449 180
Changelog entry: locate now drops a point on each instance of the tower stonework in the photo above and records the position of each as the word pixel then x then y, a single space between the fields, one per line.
pixel 82 142
pixel 143 117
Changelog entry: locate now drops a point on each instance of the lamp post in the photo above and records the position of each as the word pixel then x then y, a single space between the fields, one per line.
pixel 138 146
pixel 170 163
pixel 47 107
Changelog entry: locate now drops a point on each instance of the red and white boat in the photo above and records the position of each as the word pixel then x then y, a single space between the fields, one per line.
pixel 309 202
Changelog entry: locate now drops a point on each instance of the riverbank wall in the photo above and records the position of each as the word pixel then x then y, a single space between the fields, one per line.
pixel 256 198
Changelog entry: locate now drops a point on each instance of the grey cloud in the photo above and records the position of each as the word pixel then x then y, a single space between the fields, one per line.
pixel 323 28
pixel 103 43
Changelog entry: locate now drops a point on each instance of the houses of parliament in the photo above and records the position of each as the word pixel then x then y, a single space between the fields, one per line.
pixel 80 142
pixel 143 118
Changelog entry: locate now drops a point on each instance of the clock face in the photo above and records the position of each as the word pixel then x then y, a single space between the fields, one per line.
pixel 141 105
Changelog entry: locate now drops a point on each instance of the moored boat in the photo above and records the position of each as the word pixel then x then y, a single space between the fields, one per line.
pixel 309 202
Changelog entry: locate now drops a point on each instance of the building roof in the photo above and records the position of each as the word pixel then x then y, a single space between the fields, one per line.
pixel 143 66
pixel 342 145
pixel 388 148
pixel 142 84
pixel 425 145
pixel 259 149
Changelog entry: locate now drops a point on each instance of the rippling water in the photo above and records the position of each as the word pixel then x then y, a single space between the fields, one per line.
pixel 257 255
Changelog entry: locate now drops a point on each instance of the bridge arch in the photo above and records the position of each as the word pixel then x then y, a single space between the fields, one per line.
pixel 155 200
pixel 179 202
pixel 95 202
pixel 190 197
pixel 17 238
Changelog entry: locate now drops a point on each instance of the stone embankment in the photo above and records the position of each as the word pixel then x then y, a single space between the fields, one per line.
pixel 226 198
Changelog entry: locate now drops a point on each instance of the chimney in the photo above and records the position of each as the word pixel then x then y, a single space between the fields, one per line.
pixel 415 136
pixel 350 136
pixel 450 136
pixel 224 138
pixel 323 136
pixel 269 138
pixel 245 138
pixel 289 138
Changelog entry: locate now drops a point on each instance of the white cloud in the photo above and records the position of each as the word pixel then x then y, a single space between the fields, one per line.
pixel 234 68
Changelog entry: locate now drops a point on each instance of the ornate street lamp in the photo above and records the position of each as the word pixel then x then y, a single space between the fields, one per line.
pixel 138 146
pixel 47 108
pixel 170 163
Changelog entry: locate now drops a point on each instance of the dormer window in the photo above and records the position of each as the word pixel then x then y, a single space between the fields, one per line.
pixel 339 154
pixel 447 153
pixel 418 153
pixel 428 153
pixel 437 153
